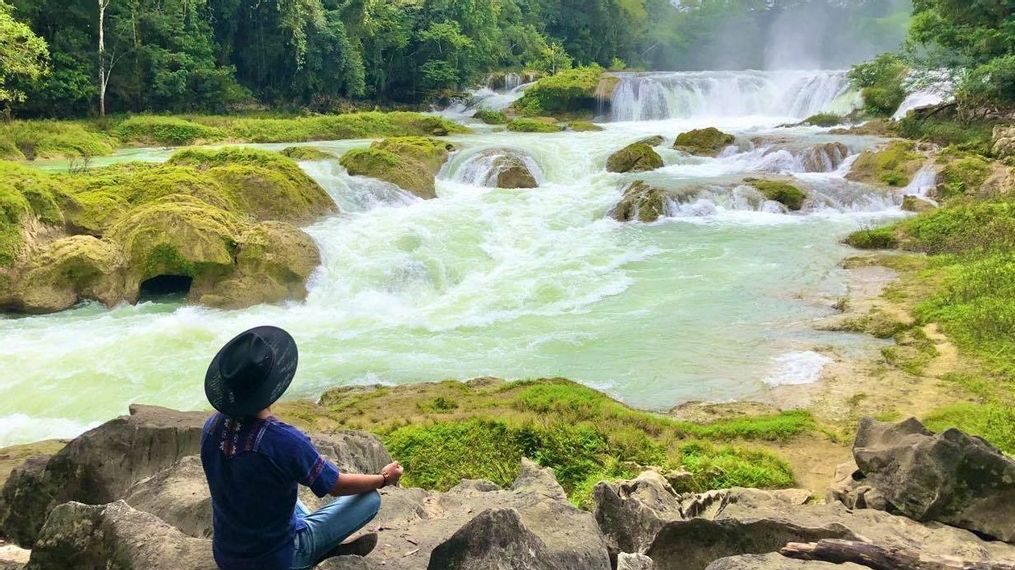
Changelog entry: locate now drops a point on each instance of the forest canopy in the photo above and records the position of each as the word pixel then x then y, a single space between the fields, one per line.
pixel 221 55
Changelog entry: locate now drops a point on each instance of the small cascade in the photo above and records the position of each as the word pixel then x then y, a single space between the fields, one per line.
pixel 484 169
pixel 498 94
pixel 923 183
pixel 660 96
pixel 939 89
pixel 790 158
pixel 355 193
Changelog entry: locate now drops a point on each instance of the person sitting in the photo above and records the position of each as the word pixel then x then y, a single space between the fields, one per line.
pixel 255 464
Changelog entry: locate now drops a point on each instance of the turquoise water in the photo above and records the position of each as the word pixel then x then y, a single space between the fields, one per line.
pixel 715 303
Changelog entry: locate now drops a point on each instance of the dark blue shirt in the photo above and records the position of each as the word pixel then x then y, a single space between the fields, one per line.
pixel 254 469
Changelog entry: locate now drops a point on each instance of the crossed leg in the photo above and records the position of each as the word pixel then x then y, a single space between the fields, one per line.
pixel 328 526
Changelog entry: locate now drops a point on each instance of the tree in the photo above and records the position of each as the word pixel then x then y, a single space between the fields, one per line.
pixel 23 56
pixel 553 59
pixel 105 67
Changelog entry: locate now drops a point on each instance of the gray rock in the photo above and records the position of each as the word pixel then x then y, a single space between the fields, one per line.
pixel 641 203
pixel 917 204
pixel 825 157
pixel 652 141
pixel 631 513
pixel 99 466
pixel 627 561
pixel 638 157
pixel 952 478
pixel 1003 142
pixel 497 538
pixel 850 489
pixel 534 479
pixel 775 562
pixel 115 536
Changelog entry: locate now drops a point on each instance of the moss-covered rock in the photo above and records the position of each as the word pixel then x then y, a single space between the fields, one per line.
pixel 306 153
pixel 492 117
pixel 704 142
pixel 583 127
pixel 826 157
pixel 779 191
pixel 264 185
pixel 177 235
pixel 512 172
pixel 877 238
pixel 962 174
pixel 570 91
pixel 536 125
pixel 894 165
pixel 823 120
pixel 27 196
pixel 71 270
pixel 638 157
pixel 642 203
pixel 274 261
pixel 167 131
pixel 917 204
pixel 653 141
pixel 411 163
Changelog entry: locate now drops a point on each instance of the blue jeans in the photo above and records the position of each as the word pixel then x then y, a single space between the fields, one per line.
pixel 328 526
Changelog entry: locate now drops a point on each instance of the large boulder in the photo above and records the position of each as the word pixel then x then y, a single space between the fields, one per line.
pixel 501 168
pixel 98 467
pixel 951 477
pixel 631 513
pixel 1003 143
pixel 411 163
pixel 780 191
pixel 917 204
pixel 638 157
pixel 512 172
pixel 642 203
pixel 71 270
pixel 825 157
pixel 704 142
pixel 115 536
pixel 273 263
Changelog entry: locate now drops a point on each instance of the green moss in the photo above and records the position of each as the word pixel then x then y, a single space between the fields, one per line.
pixel 339 127
pixel 961 228
pixel 876 238
pixel 877 324
pixel 533 126
pixel 823 120
pixel 962 175
pixel 306 153
pixel 638 157
pixel 25 193
pixel 166 131
pixel 893 165
pixel 583 127
pixel 782 192
pixel 704 142
pixel 411 163
pixel 492 117
pixel 569 91
pixel 970 136
pixel 53 139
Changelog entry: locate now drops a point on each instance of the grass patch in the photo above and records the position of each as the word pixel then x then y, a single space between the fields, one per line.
pixel 492 117
pixel 974 136
pixel 450 431
pixel 570 91
pixel 21 140
pixel 540 125
pixel 339 127
pixel 823 120
pixel 993 422
pixel 166 131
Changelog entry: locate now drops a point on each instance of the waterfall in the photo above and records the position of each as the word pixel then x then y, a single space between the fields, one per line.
pixel 796 94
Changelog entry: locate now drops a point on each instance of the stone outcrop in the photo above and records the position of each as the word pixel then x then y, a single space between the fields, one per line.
pixel 98 467
pixel 704 142
pixel 411 163
pixel 631 513
pixel 951 477
pixel 894 165
pixel 825 157
pixel 641 203
pixel 638 157
pixel 917 204
pixel 115 536
pixel 775 561
pixel 779 191
pixel 1003 142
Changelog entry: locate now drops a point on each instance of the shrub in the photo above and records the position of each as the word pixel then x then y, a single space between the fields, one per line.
pixel 878 238
pixel 880 81
pixel 166 131
pixel 823 120
pixel 962 228
pixel 990 84
pixel 963 175
pixel 971 136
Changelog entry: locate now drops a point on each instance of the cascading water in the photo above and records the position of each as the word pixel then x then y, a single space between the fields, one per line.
pixel 684 95
pixel 708 304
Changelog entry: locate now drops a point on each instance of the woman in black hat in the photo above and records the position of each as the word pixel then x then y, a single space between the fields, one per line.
pixel 255 464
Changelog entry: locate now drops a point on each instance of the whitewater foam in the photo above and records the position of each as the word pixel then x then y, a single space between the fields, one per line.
pixel 798 368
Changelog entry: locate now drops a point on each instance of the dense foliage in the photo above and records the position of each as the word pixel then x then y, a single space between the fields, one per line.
pixel 219 55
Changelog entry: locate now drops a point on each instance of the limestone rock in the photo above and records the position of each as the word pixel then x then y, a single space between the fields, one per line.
pixel 99 466
pixel 894 165
pixel 534 479
pixel 631 513
pixel 780 191
pixel 306 153
pixel 850 489
pixel 653 141
pixel 627 561
pixel 642 203
pixel 638 157
pixel 70 270
pixel 704 142
pixel 103 537
pixel 273 262
pixel 1003 143
pixel 776 561
pixel 411 163
pixel 825 157
pixel 513 173
pixel 917 204
pixel 951 477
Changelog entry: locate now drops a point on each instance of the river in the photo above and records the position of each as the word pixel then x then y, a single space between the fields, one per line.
pixel 717 302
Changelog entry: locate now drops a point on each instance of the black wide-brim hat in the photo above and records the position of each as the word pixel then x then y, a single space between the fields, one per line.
pixel 251 372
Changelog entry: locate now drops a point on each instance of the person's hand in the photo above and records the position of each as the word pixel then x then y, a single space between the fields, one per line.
pixel 392 473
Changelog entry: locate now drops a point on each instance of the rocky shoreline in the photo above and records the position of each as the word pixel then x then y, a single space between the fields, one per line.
pixel 131 494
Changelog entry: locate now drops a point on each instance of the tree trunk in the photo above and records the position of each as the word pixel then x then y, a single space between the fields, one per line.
pixel 103 77
pixel 882 557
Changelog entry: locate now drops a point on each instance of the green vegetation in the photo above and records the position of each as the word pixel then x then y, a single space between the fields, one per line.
pixel 306 153
pixel 893 165
pixel 873 238
pixel 24 56
pixel 704 142
pixel 823 120
pixel 25 193
pixel 881 82
pixel 779 191
pixel 167 131
pixel 450 431
pixel 492 117
pixel 538 125
pixel 410 163
pixel 962 174
pixel 571 91
pixel 970 136
pixel 62 139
